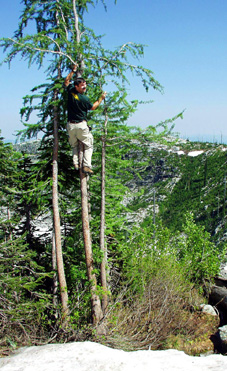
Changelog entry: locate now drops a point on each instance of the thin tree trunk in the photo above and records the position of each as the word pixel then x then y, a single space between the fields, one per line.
pixel 56 218
pixel 97 314
pixel 55 278
pixel 9 237
pixel 78 38
pixel 104 264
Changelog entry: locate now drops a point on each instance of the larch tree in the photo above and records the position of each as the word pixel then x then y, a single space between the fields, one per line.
pixel 61 33
pixel 46 18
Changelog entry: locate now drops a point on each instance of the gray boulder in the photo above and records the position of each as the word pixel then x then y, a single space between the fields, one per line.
pixel 223 338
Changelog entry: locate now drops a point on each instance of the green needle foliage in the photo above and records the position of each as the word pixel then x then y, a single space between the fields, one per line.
pixel 197 254
pixel 141 254
pixel 24 300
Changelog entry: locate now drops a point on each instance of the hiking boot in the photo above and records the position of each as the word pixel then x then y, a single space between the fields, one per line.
pixel 87 170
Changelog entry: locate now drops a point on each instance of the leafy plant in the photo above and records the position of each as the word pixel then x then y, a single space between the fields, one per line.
pixel 199 257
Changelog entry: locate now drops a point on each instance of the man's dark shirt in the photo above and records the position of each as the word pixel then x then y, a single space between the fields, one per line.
pixel 78 105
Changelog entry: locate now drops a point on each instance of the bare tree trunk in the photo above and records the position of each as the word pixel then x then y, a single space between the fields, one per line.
pixel 55 278
pixel 97 314
pixel 9 237
pixel 78 38
pixel 56 218
pixel 104 263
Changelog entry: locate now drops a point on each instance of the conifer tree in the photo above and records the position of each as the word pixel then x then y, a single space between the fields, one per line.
pixel 23 302
pixel 8 181
pixel 61 33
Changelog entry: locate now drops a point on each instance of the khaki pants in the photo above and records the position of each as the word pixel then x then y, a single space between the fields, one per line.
pixel 80 132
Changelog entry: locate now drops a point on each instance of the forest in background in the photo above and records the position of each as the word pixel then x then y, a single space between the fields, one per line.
pixel 158 265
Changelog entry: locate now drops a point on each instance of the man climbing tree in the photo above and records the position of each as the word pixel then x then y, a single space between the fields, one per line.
pixel 78 106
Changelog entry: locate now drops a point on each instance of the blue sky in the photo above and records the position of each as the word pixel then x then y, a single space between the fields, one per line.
pixel 186 49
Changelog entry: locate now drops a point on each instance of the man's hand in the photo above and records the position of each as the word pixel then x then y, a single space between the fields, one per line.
pixel 98 102
pixel 103 96
pixel 74 67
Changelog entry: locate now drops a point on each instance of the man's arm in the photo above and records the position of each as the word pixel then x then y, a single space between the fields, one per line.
pixel 97 103
pixel 70 75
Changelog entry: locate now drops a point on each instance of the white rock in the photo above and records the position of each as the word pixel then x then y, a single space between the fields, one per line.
pixel 223 337
pixel 223 333
pixel 208 309
pixel 90 356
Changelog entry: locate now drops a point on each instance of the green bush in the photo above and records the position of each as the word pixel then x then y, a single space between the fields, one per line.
pixel 153 306
pixel 200 258
pixel 23 305
pixel 160 286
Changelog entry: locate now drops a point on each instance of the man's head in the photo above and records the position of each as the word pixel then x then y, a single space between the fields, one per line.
pixel 80 85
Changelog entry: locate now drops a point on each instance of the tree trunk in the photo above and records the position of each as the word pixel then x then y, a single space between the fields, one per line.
pixel 104 263
pixel 9 236
pixel 80 59
pixel 56 218
pixel 97 314
pixel 55 278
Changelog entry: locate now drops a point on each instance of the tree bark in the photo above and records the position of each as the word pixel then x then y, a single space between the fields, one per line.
pixel 97 314
pixel 56 219
pixel 55 279
pixel 104 263
pixel 79 72
pixel 9 236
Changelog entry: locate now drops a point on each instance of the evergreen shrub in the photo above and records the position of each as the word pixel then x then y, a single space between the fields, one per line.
pixel 24 304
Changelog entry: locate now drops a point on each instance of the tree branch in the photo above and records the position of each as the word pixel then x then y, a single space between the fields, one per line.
pixel 43 50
